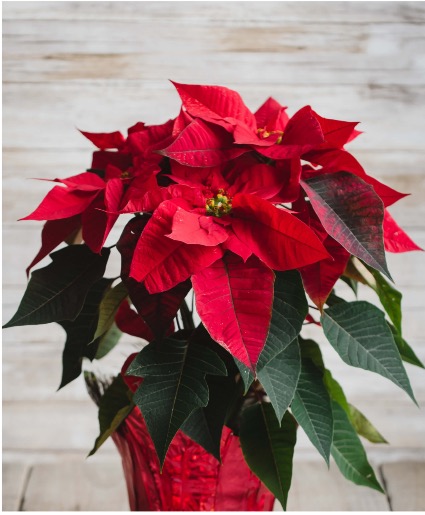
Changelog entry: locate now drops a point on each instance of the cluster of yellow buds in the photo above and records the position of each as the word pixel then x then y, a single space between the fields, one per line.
pixel 219 205
pixel 265 134
pixel 125 175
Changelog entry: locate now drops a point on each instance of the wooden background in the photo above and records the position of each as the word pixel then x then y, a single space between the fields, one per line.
pixel 102 66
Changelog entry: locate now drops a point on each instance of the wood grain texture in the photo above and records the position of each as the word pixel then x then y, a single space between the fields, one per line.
pixel 328 490
pixel 405 482
pixel 14 479
pixel 75 486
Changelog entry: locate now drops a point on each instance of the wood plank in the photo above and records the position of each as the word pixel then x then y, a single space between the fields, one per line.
pixel 405 482
pixel 14 478
pixel 315 488
pixel 79 105
pixel 76 487
pixel 221 13
pixel 372 54
pixel 51 425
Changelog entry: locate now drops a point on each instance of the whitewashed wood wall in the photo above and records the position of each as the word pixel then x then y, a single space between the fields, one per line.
pixel 102 66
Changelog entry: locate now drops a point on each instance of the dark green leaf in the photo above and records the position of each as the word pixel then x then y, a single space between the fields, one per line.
pixel 269 447
pixel 363 426
pixel 114 407
pixel 107 341
pixel 361 336
pixel 279 378
pixel 205 425
pixel 348 452
pixel 406 352
pixel 352 213
pixel 333 299
pixel 174 386
pixel 80 332
pixel 57 291
pixel 352 283
pixel 312 408
pixel 311 350
pixel 109 307
pixel 290 308
pixel 390 298
pixel 246 374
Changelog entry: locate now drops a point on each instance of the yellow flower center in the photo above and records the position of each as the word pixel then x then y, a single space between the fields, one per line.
pixel 219 205
pixel 263 133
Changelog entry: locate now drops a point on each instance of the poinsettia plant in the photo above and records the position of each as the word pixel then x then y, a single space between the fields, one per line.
pixel 240 226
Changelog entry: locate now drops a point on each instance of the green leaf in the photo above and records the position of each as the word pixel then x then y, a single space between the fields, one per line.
pixel 268 447
pixel 80 332
pixel 348 452
pixel 312 408
pixel 174 386
pixel 279 378
pixel 290 308
pixel 363 427
pixel 107 341
pixel 205 425
pixel 109 307
pixel 360 423
pixel 311 350
pixel 114 407
pixel 352 283
pixel 57 291
pixel 335 391
pixel 390 297
pixel 406 352
pixel 246 374
pixel 361 336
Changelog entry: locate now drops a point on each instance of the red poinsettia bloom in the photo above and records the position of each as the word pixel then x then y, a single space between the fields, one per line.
pixel 221 120
pixel 121 169
pixel 194 226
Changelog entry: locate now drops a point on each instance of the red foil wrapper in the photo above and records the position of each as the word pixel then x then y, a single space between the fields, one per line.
pixel 192 479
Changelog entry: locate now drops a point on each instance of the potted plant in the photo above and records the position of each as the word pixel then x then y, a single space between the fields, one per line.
pixel 240 226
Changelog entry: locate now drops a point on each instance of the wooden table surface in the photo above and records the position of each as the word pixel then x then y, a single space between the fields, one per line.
pixel 102 66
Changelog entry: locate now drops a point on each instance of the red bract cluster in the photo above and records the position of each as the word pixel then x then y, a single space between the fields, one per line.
pixel 227 196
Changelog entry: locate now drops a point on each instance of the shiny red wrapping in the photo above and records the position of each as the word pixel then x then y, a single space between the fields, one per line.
pixel 192 479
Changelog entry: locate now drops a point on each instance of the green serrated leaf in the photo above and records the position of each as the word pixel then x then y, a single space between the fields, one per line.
pixel 290 308
pixel 312 408
pixel 268 447
pixel 361 336
pixel 364 427
pixel 174 386
pixel 57 291
pixel 406 352
pixel 109 307
pixel 348 452
pixel 114 407
pixel 390 297
pixel 80 332
pixel 107 341
pixel 279 378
